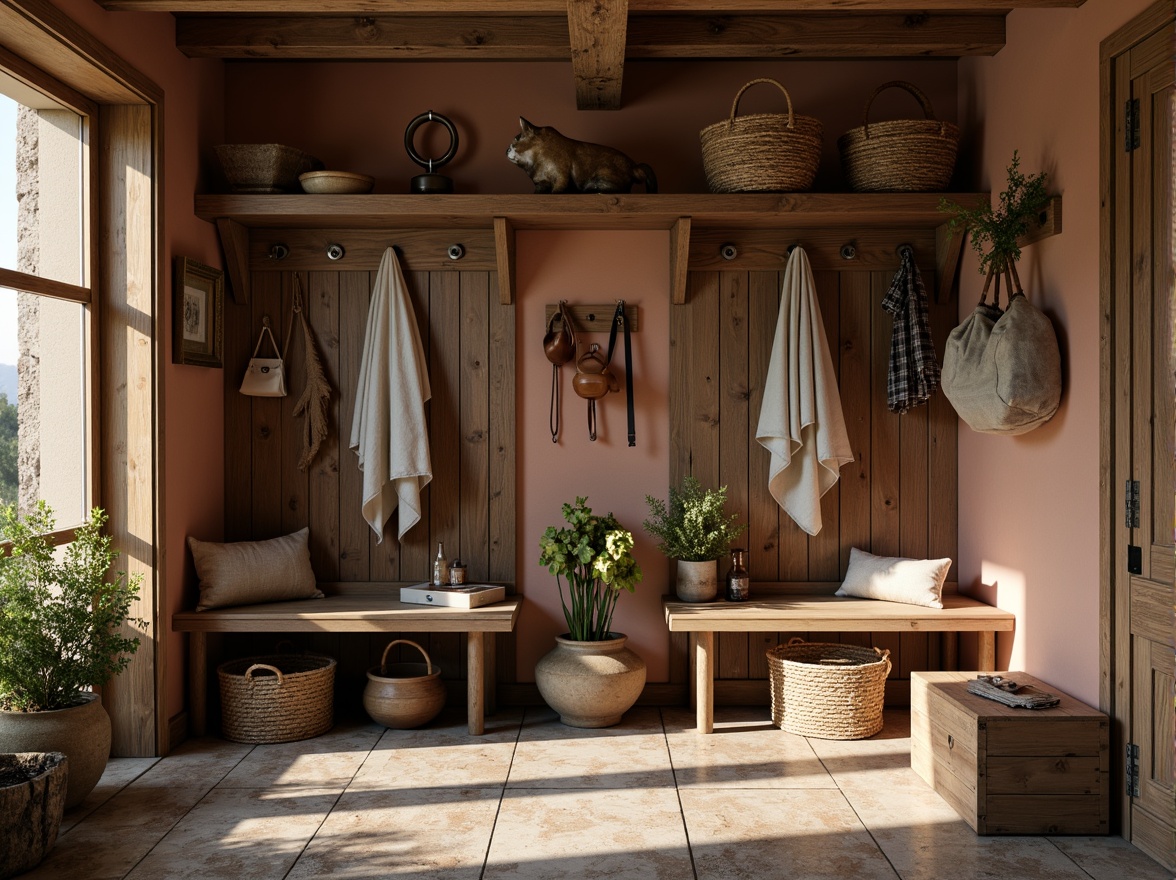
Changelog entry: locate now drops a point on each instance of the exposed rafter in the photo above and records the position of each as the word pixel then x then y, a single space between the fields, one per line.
pixel 546 38
pixel 556 7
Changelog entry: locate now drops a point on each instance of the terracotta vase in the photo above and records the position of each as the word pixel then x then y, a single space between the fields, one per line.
pixel 32 799
pixel 81 733
pixel 697 581
pixel 404 695
pixel 590 684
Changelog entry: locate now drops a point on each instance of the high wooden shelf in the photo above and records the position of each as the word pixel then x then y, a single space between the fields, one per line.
pixel 874 218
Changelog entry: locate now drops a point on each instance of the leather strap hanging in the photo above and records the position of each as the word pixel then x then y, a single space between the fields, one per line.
pixel 619 318
pixel 559 345
pixel 593 379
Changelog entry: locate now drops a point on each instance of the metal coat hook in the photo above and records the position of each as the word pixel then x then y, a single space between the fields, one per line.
pixel 792 247
pixel 278 251
pixel 456 252
pixel 335 252
pixel 728 251
pixel 904 249
pixel 849 251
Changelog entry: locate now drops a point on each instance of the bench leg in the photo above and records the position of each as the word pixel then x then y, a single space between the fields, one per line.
pixel 987 654
pixel 704 680
pixel 951 651
pixel 475 683
pixel 198 682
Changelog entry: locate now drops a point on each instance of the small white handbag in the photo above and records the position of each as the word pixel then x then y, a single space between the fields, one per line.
pixel 265 377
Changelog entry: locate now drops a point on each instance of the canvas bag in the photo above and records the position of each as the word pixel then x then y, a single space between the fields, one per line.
pixel 265 377
pixel 1002 371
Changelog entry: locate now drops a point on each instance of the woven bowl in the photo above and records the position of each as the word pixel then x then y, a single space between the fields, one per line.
pixel 264 168
pixel 336 182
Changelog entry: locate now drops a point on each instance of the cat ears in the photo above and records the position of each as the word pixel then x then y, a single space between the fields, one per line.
pixel 525 126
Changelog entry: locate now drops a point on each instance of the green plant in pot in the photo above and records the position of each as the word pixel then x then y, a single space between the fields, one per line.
pixel 61 635
pixel 694 529
pixel 591 678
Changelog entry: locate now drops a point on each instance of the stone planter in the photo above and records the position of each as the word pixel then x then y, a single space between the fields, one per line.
pixel 698 581
pixel 81 732
pixel 590 684
pixel 32 799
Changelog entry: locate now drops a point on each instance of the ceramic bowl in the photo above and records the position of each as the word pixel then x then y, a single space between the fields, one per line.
pixel 264 168
pixel 336 182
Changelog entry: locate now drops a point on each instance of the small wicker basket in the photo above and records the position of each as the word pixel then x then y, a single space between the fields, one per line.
pixel 763 152
pixel 902 155
pixel 278 698
pixel 826 690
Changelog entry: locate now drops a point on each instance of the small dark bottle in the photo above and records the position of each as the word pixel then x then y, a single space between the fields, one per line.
pixel 738 580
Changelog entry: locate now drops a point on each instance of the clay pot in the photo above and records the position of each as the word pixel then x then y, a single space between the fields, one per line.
pixel 32 799
pixel 404 695
pixel 590 684
pixel 81 732
pixel 697 581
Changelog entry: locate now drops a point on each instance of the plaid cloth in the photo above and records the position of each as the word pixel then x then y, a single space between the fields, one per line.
pixel 914 373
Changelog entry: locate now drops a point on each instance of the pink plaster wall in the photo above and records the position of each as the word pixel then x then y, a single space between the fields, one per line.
pixel 353 115
pixel 193 453
pixel 1029 516
pixel 583 268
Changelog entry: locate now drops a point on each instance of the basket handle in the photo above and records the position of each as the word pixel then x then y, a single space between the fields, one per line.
pixel 273 669
pixel 884 654
pixel 739 94
pixel 928 112
pixel 428 662
pixel 796 640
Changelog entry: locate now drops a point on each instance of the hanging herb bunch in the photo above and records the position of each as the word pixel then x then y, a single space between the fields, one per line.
pixel 994 232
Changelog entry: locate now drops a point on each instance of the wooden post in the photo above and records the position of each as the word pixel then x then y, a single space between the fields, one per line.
pixel 987 654
pixel 198 681
pixel 475 684
pixel 704 680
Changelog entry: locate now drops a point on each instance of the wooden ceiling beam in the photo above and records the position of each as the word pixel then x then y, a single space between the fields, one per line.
pixel 596 30
pixel 556 7
pixel 546 38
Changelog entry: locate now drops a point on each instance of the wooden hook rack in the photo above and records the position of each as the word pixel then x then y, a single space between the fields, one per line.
pixel 594 318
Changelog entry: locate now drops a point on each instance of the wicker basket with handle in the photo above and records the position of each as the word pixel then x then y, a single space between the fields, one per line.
pixel 901 155
pixel 762 152
pixel 826 690
pixel 277 698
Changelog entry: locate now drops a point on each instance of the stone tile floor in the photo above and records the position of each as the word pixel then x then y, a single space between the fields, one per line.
pixel 534 799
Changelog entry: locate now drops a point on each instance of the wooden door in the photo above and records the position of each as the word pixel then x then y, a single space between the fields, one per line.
pixel 1141 80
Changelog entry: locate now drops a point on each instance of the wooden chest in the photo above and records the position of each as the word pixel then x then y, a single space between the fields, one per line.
pixel 1007 770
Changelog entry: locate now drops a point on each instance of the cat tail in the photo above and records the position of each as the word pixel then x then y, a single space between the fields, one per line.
pixel 644 174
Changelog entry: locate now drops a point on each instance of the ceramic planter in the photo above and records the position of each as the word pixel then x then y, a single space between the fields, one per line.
pixel 81 732
pixel 404 695
pixel 698 581
pixel 590 684
pixel 32 799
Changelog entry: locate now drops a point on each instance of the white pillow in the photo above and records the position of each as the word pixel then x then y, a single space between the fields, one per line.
pixel 894 579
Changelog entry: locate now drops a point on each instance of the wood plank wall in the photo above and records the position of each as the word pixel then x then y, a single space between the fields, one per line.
pixel 469 505
pixel 898 497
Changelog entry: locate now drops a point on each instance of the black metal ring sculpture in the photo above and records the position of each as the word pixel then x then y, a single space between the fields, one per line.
pixel 430 165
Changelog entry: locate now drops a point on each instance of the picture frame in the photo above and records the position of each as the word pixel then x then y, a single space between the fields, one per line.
pixel 198 297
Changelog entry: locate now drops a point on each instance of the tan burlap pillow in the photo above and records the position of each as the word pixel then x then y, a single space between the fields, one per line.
pixel 250 572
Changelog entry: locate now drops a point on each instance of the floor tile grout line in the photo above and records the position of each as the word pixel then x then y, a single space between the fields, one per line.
pixel 678 793
pixel 1070 858
pixel 97 807
pixel 502 796
pixel 856 814
pixel 338 798
pixel 187 812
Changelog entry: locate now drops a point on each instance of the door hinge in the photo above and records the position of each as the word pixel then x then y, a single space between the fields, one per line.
pixel 1131 126
pixel 1131 504
pixel 1132 770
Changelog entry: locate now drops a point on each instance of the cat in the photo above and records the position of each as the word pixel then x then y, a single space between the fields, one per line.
pixel 558 164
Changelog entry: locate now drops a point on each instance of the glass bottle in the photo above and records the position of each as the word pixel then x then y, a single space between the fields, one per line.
pixel 440 567
pixel 457 573
pixel 738 580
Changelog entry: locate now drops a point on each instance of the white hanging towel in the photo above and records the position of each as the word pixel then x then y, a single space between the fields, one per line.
pixel 800 421
pixel 388 430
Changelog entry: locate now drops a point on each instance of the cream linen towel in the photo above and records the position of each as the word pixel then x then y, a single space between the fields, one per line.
pixel 800 421
pixel 388 431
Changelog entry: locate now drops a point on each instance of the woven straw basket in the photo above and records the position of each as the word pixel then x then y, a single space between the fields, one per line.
pixel 902 155
pixel 828 691
pixel 763 152
pixel 279 698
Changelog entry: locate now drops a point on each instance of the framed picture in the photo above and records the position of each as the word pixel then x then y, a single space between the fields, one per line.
pixel 198 319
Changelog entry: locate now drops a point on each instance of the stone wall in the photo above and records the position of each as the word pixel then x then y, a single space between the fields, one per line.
pixel 28 259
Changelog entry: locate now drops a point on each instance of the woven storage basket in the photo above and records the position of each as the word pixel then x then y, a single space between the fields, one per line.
pixel 279 698
pixel 902 155
pixel 763 152
pixel 828 691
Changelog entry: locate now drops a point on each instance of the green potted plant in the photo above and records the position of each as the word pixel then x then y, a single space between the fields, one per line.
pixel 695 530
pixel 591 678
pixel 61 635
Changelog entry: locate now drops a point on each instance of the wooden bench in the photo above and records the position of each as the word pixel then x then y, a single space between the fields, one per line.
pixel 822 613
pixel 356 608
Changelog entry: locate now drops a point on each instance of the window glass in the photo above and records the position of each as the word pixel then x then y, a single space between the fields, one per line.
pixel 43 409
pixel 41 194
